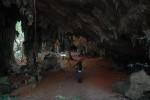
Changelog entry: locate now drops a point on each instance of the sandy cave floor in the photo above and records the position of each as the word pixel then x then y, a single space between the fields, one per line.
pixel 96 85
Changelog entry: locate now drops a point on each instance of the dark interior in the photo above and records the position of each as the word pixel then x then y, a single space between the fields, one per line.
pixel 119 27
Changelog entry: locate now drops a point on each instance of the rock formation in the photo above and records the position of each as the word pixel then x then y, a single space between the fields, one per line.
pixel 120 26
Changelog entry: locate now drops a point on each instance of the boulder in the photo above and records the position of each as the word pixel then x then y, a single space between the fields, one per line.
pixel 121 87
pixel 139 84
pixel 146 96
pixel 49 63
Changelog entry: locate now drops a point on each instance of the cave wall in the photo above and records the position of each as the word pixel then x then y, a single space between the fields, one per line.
pixel 8 16
pixel 122 52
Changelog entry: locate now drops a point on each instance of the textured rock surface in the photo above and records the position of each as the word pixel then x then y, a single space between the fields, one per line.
pixel 49 63
pixel 139 83
pixel 120 87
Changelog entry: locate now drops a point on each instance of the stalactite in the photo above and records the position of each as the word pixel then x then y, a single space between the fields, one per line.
pixel 149 53
pixel 116 4
pixel 115 35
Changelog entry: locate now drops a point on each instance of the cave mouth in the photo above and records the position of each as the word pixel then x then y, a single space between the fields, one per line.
pixel 18 45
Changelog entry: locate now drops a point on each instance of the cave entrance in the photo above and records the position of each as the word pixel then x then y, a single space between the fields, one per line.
pixel 18 45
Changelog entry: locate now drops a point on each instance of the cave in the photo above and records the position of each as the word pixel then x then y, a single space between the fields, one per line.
pixel 111 38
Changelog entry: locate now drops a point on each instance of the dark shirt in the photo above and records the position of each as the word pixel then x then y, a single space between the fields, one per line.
pixel 79 66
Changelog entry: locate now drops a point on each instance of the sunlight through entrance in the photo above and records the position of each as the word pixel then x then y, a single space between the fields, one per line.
pixel 18 45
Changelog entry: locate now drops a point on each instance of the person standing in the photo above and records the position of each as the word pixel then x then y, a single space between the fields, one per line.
pixel 79 70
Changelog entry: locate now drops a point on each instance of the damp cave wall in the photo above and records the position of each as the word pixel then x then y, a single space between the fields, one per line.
pixel 9 15
pixel 8 18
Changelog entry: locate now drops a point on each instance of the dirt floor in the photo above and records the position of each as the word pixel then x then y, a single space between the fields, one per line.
pixel 96 85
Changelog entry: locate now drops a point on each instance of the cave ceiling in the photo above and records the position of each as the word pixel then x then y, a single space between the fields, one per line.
pixel 104 18
pixel 100 19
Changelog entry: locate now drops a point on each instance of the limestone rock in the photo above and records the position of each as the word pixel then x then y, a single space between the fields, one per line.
pixel 146 96
pixel 120 87
pixel 49 63
pixel 139 83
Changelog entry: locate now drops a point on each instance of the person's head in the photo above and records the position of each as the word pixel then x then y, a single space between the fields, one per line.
pixel 82 58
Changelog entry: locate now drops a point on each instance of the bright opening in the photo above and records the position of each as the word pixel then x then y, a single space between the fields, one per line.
pixel 18 45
